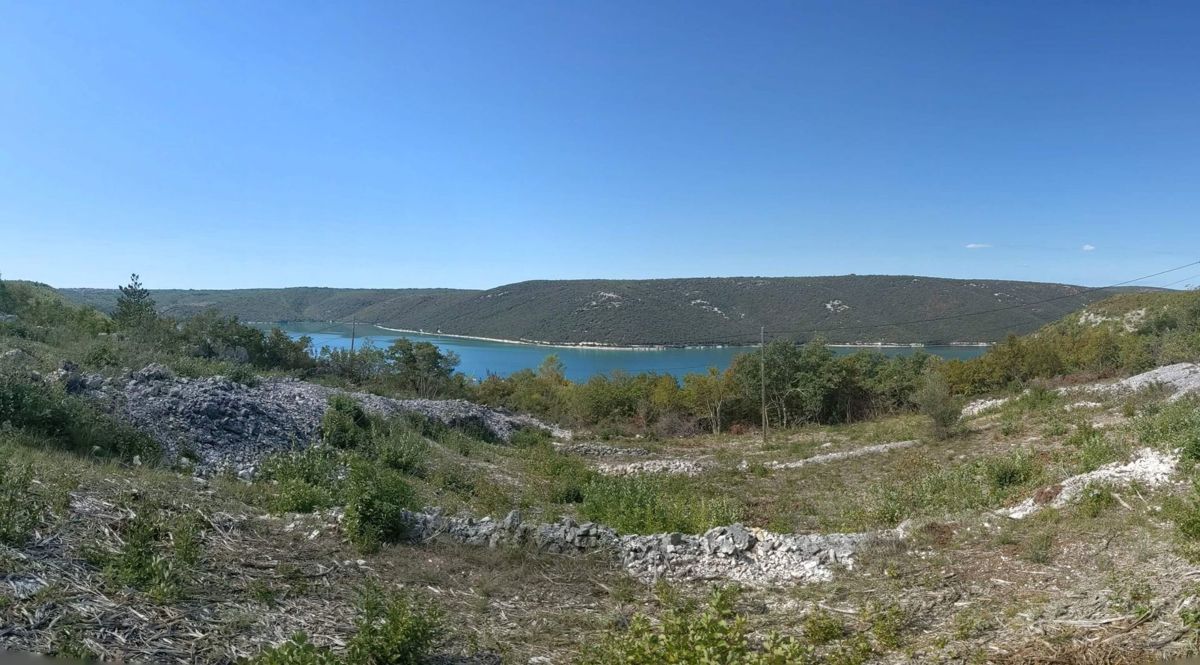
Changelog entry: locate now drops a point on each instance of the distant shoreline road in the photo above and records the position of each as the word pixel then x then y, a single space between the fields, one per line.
pixel 600 346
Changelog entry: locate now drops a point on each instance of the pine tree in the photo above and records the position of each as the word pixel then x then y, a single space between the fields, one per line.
pixel 135 307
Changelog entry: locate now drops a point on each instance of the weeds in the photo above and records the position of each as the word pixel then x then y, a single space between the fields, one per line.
pixel 391 629
pixel 20 509
pixel 643 504
pixel 685 635
pixel 376 500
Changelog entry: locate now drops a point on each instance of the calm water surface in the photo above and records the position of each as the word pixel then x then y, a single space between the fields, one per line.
pixel 480 358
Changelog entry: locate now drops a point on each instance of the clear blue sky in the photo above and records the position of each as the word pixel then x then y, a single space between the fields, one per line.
pixel 389 144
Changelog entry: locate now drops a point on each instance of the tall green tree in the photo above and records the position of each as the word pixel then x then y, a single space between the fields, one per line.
pixel 135 307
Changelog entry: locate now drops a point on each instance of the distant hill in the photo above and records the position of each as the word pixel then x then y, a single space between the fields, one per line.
pixel 843 309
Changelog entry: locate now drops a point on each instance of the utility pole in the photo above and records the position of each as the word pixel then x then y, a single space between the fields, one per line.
pixel 762 376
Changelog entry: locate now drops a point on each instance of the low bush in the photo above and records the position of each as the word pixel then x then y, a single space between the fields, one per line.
pixel 157 554
pixel 1095 500
pixel 390 630
pixel 1175 425
pixel 20 510
pixel 402 449
pixel 70 422
pixel 934 400
pixel 1095 449
pixel 376 499
pixel 296 651
pixel 393 629
pixel 345 425
pixel 1012 470
pixel 304 481
pixel 644 504
pixel 688 636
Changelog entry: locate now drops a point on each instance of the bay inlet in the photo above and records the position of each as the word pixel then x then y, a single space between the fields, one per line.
pixel 482 357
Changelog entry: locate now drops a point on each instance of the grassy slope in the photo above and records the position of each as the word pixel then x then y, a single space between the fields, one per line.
pixel 667 311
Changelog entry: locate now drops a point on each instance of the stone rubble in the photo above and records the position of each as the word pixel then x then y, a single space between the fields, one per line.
pixel 842 455
pixel 754 557
pixel 219 424
pixel 671 467
pixel 601 450
pixel 980 405
pixel 1149 468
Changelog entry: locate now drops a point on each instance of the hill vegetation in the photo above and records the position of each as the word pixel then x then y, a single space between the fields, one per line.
pixel 843 309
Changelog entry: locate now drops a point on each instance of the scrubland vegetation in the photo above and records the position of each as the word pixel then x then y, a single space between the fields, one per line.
pixel 310 562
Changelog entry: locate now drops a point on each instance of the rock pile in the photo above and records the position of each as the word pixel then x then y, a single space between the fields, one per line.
pixel 753 557
pixel 220 424
pixel 673 467
pixel 601 450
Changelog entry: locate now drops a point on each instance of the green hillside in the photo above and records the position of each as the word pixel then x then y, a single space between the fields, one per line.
pixel 843 309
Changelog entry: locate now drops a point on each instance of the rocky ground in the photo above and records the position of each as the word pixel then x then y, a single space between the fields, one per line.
pixel 860 523
pixel 219 424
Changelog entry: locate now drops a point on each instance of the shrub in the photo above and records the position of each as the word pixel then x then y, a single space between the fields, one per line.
pixel 1039 548
pixel 1095 449
pixel 529 437
pixel 19 508
pixel 717 634
pixel 345 424
pixel 376 499
pixel 1011 470
pixel 561 478
pixel 393 630
pixel 934 400
pixel 305 480
pixel 822 627
pixel 643 504
pixel 1095 500
pixel 1175 425
pixel 70 422
pixel 403 450
pixel 296 651
pixel 154 557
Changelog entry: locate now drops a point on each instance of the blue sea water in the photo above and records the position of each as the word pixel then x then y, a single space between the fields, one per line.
pixel 481 357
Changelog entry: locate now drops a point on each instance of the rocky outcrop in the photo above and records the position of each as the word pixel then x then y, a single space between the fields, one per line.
pixel 753 557
pixel 221 424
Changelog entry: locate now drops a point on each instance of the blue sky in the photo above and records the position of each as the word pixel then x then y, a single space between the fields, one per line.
pixel 392 144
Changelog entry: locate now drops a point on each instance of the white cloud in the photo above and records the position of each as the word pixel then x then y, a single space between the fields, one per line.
pixel 1088 248
pixel 977 245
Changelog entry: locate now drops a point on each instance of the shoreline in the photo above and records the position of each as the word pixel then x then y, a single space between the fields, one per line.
pixel 599 346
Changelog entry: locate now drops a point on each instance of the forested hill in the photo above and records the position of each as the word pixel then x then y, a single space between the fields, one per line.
pixel 854 308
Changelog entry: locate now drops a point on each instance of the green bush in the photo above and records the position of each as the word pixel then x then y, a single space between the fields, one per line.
pixel 1095 500
pixel 393 630
pixel 376 499
pixel 1095 449
pixel 345 424
pixel 644 504
pixel 529 437
pixel 304 481
pixel 70 422
pixel 296 651
pixel 403 450
pixel 1017 468
pixel 1175 425
pixel 934 400
pixel 714 635
pixel 559 478
pixel 20 509
pixel 390 630
pixel 157 554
